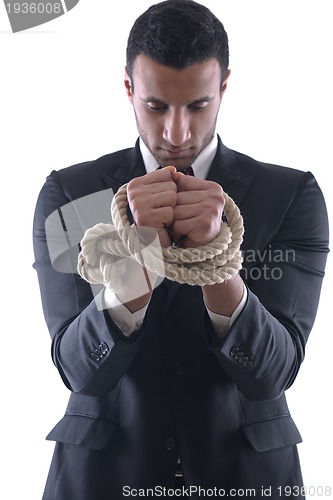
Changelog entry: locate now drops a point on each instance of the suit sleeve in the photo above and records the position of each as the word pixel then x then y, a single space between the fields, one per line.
pixel 266 345
pixel 88 349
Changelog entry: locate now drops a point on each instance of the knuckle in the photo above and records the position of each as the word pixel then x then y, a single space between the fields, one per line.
pixel 134 183
pixel 173 198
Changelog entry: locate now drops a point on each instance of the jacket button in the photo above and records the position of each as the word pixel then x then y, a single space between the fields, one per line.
pixel 239 355
pixel 234 351
pixel 170 444
pixel 243 360
pixel 178 368
pixel 248 364
pixel 99 351
pixel 95 356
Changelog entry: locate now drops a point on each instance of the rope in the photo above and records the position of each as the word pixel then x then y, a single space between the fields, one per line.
pixel 103 245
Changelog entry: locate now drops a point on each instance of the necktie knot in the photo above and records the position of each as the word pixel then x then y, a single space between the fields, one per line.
pixel 188 171
pixel 185 171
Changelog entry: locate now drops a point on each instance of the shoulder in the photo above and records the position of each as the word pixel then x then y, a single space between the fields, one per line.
pixel 278 182
pixel 82 179
pixel 104 165
pixel 270 178
pixel 91 176
pixel 268 171
pixel 271 189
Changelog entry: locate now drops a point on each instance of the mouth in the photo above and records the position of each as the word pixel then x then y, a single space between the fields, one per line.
pixel 175 153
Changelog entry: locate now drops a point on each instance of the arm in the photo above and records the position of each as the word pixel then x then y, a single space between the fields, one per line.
pixel 197 220
pixel 265 346
pixel 88 349
pixel 151 200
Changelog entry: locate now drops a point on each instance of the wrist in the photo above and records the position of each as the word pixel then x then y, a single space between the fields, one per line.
pixel 223 298
pixel 137 285
pixel 164 238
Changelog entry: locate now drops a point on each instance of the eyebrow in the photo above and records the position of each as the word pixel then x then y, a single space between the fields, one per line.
pixel 155 99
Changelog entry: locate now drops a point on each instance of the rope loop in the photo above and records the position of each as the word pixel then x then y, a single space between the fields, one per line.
pixel 104 246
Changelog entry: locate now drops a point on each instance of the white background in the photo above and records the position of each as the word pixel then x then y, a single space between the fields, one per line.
pixel 62 101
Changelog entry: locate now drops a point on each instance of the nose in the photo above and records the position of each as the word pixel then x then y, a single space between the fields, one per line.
pixel 176 128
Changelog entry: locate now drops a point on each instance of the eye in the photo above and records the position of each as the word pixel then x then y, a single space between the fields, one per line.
pixel 198 105
pixel 156 106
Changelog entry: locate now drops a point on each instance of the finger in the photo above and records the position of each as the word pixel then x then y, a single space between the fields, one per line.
pixel 182 212
pixel 171 168
pixel 157 217
pixel 185 182
pixel 181 228
pixel 189 183
pixel 191 197
pixel 211 199
pixel 160 187
pixel 146 190
pixel 162 199
pixel 160 175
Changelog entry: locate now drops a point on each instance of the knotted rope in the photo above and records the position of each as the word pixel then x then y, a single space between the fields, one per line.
pixel 103 244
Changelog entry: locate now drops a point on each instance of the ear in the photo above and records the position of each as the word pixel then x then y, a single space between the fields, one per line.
pixel 128 86
pixel 225 83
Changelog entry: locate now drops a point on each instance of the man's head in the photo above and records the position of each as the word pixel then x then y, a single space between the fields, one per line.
pixel 176 75
pixel 178 33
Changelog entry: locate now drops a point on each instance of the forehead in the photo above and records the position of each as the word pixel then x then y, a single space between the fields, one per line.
pixel 152 79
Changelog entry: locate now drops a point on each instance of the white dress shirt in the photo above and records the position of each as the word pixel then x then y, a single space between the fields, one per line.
pixel 129 322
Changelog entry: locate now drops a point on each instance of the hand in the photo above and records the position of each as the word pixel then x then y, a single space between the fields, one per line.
pixel 152 199
pixel 198 211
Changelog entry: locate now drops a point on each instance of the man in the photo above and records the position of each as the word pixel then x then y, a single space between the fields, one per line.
pixel 179 389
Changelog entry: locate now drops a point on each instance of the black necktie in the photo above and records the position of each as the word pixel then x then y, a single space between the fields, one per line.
pixel 186 171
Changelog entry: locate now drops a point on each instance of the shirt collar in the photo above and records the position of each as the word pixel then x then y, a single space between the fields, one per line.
pixel 200 166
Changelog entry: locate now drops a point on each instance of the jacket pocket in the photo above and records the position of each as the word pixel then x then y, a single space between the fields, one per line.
pixel 83 430
pixel 268 434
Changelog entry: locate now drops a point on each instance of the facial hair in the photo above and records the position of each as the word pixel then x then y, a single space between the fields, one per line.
pixel 163 163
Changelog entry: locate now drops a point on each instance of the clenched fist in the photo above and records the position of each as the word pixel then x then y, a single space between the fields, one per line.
pixel 152 199
pixel 182 209
pixel 198 211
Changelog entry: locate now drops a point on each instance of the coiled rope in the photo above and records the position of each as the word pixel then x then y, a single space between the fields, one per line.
pixel 103 245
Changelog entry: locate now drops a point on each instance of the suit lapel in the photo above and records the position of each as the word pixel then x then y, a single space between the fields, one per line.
pixel 130 165
pixel 225 170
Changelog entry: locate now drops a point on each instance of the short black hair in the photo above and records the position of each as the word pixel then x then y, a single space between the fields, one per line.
pixel 178 33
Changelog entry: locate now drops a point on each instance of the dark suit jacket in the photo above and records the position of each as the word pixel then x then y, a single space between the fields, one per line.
pixel 171 390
